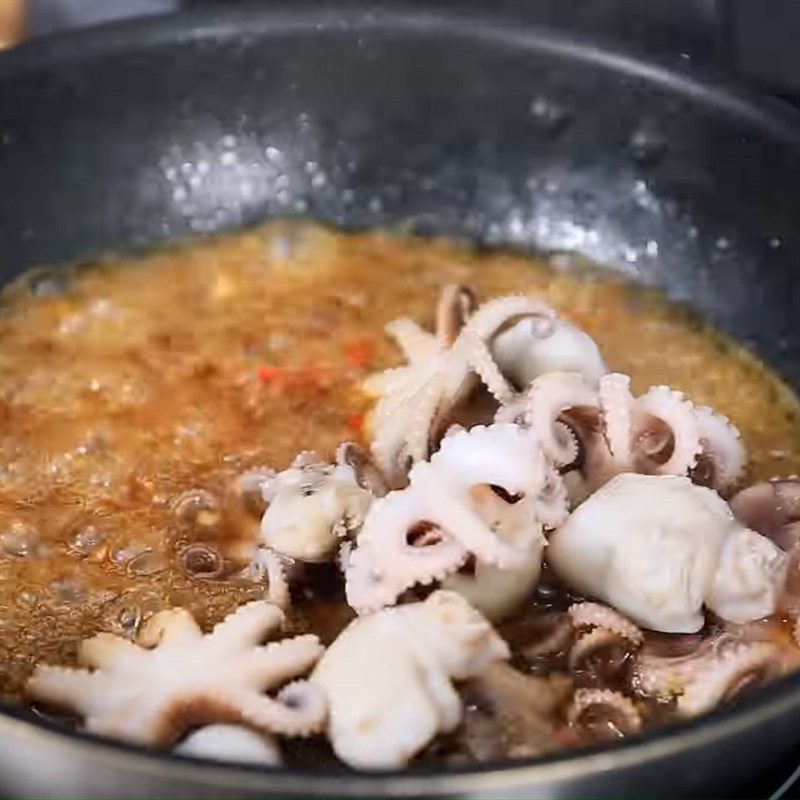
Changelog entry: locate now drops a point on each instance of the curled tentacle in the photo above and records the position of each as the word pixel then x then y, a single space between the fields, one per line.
pixel 481 494
pixel 607 648
pixel 513 413
pixel 623 713
pixel 502 313
pixel 389 558
pixel 280 717
pixel 589 645
pixel 665 435
pixel 722 456
pixel 594 615
pixel 549 397
pixel 483 327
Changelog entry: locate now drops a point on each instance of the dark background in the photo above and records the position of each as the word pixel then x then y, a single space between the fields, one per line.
pixel 757 40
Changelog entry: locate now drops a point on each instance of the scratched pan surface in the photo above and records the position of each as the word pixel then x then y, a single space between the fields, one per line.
pixel 437 123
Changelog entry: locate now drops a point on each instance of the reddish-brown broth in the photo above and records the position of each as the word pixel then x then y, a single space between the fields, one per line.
pixel 133 392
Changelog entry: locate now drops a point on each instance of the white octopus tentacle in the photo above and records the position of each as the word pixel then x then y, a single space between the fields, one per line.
pixel 400 436
pixel 483 363
pixel 552 504
pixel 514 413
pixel 279 717
pixel 415 343
pixel 385 562
pixel 594 615
pixel 250 624
pixel 63 687
pixel 549 396
pixel 677 414
pixel 387 382
pixel 172 625
pixel 502 312
pixel 277 582
pixel 103 649
pixel 616 404
pixel 722 446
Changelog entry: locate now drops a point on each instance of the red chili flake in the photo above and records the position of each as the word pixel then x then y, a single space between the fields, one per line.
pixel 269 373
pixel 359 353
pixel 356 422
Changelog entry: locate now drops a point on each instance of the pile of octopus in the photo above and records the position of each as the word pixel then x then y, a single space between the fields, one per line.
pixel 504 443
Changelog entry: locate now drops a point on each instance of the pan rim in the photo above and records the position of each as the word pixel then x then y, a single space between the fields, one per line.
pixel 703 85
pixel 765 704
pixel 214 23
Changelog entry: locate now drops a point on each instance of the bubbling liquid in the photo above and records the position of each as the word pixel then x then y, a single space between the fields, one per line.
pixel 138 396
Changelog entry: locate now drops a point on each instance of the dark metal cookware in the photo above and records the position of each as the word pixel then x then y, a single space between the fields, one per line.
pixel 440 124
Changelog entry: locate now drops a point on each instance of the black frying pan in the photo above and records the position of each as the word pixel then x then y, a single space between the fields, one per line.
pixel 439 124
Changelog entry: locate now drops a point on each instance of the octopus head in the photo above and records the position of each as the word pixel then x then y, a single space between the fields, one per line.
pixel 659 547
pixel 750 574
pixel 534 346
pixel 312 507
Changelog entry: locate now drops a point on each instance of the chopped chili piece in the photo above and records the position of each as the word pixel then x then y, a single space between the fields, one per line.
pixel 268 373
pixel 359 352
pixel 356 422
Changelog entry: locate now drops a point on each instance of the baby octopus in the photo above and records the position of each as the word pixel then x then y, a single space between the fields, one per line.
pixel 314 507
pixel 388 677
pixel 593 432
pixel 475 360
pixel 487 494
pixel 659 547
pixel 174 678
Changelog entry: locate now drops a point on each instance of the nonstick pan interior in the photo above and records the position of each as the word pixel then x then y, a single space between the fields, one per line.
pixel 434 123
